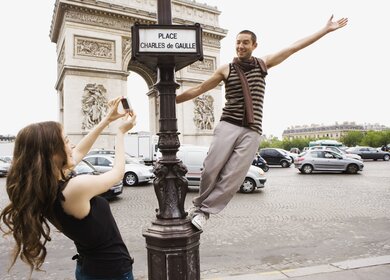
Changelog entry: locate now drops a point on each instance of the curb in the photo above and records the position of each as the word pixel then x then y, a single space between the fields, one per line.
pixel 311 270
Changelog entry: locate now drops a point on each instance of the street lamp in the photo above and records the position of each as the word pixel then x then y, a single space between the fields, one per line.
pixel 171 240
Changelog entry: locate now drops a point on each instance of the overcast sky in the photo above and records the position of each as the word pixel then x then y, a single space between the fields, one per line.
pixel 342 77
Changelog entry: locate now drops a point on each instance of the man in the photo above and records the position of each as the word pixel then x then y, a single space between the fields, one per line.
pixel 237 135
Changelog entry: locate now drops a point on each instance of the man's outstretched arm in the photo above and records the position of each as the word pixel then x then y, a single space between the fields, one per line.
pixel 212 82
pixel 278 57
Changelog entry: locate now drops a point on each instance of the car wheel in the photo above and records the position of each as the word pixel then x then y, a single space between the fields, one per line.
pixel 386 157
pixel 307 169
pixel 284 164
pixel 265 168
pixel 248 186
pixel 130 179
pixel 352 169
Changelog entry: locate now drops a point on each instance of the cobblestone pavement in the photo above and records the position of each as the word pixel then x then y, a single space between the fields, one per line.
pixel 296 221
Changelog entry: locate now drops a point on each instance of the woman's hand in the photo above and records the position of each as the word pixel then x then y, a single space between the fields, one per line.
pixel 112 112
pixel 129 121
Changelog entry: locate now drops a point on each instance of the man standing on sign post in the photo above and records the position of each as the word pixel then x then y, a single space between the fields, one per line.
pixel 237 135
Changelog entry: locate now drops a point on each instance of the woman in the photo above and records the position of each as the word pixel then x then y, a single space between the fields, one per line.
pixel 43 189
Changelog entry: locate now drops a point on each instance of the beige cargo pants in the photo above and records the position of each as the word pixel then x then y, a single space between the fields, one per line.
pixel 224 169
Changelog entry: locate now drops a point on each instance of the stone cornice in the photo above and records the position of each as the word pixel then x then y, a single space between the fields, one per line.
pixel 119 17
pixel 106 15
pixel 87 71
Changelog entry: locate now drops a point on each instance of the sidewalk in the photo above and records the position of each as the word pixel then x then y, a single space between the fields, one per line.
pixel 377 268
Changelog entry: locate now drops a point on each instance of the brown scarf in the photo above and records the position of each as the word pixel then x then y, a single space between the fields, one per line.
pixel 241 67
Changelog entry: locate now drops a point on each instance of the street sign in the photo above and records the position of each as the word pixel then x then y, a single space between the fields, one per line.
pixel 167 40
pixel 180 45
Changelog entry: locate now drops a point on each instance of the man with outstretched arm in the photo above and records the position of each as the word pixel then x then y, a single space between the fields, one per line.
pixel 237 135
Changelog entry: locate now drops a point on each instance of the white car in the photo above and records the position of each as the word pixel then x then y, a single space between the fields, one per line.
pixel 193 157
pixel 4 168
pixel 7 159
pixel 135 173
pixel 293 156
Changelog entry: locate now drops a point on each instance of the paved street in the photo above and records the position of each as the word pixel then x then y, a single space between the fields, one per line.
pixel 296 221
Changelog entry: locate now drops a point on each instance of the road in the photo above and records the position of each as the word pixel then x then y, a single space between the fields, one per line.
pixel 296 221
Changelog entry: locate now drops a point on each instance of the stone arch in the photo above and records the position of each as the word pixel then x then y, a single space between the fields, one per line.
pixel 94 57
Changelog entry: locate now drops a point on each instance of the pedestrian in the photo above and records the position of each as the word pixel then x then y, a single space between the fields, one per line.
pixel 237 135
pixel 43 190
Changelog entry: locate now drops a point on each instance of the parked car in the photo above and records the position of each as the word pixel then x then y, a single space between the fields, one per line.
pixel 112 152
pixel 193 157
pixel 385 148
pixel 275 156
pixel 260 162
pixel 84 167
pixel 326 160
pixel 7 159
pixel 369 153
pixel 337 150
pixel 293 156
pixel 135 173
pixel 295 150
pixel 4 168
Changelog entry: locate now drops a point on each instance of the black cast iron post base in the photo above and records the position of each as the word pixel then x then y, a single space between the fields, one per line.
pixel 173 250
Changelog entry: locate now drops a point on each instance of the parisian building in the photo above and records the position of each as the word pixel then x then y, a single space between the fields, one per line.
pixel 334 131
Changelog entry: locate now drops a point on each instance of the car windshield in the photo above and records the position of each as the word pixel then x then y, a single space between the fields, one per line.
pixel 129 159
pixel 284 152
pixel 83 167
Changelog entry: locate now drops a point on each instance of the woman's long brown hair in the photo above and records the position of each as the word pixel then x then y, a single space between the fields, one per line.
pixel 32 185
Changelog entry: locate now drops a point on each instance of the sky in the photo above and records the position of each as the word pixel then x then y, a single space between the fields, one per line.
pixel 341 77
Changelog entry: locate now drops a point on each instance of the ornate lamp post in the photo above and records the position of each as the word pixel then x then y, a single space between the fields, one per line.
pixel 171 241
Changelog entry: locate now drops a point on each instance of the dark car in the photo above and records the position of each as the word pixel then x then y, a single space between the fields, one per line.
pixel 369 153
pixel 84 167
pixel 275 156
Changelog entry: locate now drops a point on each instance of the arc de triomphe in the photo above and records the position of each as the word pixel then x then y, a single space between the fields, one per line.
pixel 93 41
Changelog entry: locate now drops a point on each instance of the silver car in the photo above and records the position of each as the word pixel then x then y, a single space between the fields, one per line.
pixel 326 160
pixel 135 173
pixel 337 150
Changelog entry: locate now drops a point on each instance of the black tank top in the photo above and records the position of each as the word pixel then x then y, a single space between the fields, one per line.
pixel 97 239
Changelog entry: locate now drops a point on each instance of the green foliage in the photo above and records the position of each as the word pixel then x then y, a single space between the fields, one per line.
pixel 351 139
pixel 299 143
pixel 271 143
pixel 285 144
pixel 376 138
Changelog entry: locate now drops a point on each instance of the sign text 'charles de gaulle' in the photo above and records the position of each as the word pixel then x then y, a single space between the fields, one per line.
pixel 168 40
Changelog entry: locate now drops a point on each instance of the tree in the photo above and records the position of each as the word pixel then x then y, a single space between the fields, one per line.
pixel 273 142
pixel 352 138
pixel 376 138
pixel 299 143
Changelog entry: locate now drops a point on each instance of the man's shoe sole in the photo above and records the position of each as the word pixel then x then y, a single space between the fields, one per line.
pixel 196 225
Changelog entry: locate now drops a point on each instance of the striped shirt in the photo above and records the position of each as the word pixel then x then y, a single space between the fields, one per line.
pixel 233 112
